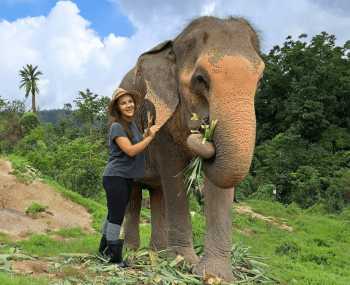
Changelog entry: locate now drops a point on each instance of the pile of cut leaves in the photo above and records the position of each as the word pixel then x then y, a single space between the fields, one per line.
pixel 146 267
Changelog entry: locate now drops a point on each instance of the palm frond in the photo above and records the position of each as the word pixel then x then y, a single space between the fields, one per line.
pixel 29 78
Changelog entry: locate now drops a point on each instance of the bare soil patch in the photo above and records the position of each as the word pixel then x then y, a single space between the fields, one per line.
pixel 244 209
pixel 33 267
pixel 16 197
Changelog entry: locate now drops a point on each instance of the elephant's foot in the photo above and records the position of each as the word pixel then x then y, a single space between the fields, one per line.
pixel 214 267
pixel 158 244
pixel 187 252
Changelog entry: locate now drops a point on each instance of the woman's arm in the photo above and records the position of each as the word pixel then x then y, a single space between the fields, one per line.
pixel 134 149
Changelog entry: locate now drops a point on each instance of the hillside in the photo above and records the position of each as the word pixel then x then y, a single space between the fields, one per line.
pixel 21 214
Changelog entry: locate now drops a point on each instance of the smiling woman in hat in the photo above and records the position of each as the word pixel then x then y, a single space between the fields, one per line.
pixel 126 162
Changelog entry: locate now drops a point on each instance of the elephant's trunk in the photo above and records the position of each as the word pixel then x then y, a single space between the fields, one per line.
pixel 234 80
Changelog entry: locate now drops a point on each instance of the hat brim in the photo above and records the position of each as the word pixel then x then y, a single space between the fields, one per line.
pixel 133 93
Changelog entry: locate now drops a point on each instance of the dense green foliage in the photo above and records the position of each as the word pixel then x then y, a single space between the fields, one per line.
pixel 73 152
pixel 10 128
pixel 28 122
pixel 303 124
pixel 53 116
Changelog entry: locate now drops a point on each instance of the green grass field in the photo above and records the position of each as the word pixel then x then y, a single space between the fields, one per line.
pixel 315 252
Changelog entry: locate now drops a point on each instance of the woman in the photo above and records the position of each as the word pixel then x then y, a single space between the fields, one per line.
pixel 126 162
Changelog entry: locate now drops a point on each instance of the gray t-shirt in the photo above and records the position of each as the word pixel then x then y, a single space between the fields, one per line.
pixel 119 163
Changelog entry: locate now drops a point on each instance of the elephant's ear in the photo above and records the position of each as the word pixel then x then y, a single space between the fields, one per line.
pixel 156 70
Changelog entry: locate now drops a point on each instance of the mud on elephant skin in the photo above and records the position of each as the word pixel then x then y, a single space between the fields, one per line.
pixel 211 68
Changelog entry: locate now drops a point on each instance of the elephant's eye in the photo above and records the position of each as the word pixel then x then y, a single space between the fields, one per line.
pixel 201 80
pixel 200 83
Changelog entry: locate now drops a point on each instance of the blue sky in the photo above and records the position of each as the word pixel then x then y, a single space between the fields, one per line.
pixel 81 44
pixel 105 16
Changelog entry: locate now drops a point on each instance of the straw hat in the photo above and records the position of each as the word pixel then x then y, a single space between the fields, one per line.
pixel 119 92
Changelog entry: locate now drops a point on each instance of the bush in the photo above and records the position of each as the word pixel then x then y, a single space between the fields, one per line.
pixel 265 192
pixel 306 186
pixel 288 248
pixel 35 208
pixel 79 165
pixel 10 131
pixel 337 194
pixel 245 188
pixel 42 137
pixel 29 121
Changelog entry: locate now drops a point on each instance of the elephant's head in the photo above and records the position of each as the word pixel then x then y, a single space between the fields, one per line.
pixel 212 69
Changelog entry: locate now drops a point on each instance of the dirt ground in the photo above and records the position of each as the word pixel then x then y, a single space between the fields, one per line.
pixel 244 209
pixel 16 197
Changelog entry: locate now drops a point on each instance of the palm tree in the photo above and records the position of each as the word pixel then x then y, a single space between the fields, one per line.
pixel 30 77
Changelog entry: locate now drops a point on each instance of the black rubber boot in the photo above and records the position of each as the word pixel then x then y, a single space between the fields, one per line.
pixel 103 246
pixel 115 252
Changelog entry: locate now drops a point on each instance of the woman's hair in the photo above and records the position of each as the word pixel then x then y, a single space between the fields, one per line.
pixel 115 115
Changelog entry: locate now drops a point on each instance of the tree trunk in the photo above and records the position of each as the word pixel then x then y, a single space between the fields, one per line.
pixel 33 102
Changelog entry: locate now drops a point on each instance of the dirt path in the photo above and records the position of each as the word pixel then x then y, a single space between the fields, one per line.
pixel 244 209
pixel 16 197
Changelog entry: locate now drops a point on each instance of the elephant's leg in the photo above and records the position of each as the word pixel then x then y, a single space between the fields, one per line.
pixel 159 226
pixel 132 219
pixel 216 258
pixel 178 219
pixel 177 210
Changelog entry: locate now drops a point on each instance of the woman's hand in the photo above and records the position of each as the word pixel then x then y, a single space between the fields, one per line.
pixel 134 149
pixel 153 130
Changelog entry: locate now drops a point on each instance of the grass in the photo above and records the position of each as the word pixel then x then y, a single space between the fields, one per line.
pixel 45 245
pixel 35 208
pixel 12 279
pixel 22 169
pixel 70 233
pixel 316 252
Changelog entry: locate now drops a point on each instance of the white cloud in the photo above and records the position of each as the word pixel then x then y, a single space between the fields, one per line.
pixel 274 19
pixel 73 57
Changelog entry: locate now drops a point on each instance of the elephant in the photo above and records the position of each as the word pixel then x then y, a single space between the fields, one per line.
pixel 212 69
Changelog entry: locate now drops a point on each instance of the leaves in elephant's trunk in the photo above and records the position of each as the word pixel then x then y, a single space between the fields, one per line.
pixel 193 172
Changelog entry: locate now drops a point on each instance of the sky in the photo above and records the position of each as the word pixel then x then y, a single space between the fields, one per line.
pixel 80 44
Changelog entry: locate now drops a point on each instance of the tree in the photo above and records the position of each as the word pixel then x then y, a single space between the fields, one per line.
pixel 29 78
pixel 29 121
pixel 87 106
pixel 2 103
pixel 306 86
pixel 10 128
pixel 91 109
pixel 303 123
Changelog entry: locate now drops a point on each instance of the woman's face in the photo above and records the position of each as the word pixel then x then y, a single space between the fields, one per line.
pixel 126 106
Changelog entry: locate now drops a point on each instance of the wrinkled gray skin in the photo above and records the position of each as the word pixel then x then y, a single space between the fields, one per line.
pixel 212 68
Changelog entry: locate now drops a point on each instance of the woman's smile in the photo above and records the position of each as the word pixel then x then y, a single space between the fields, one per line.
pixel 126 106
